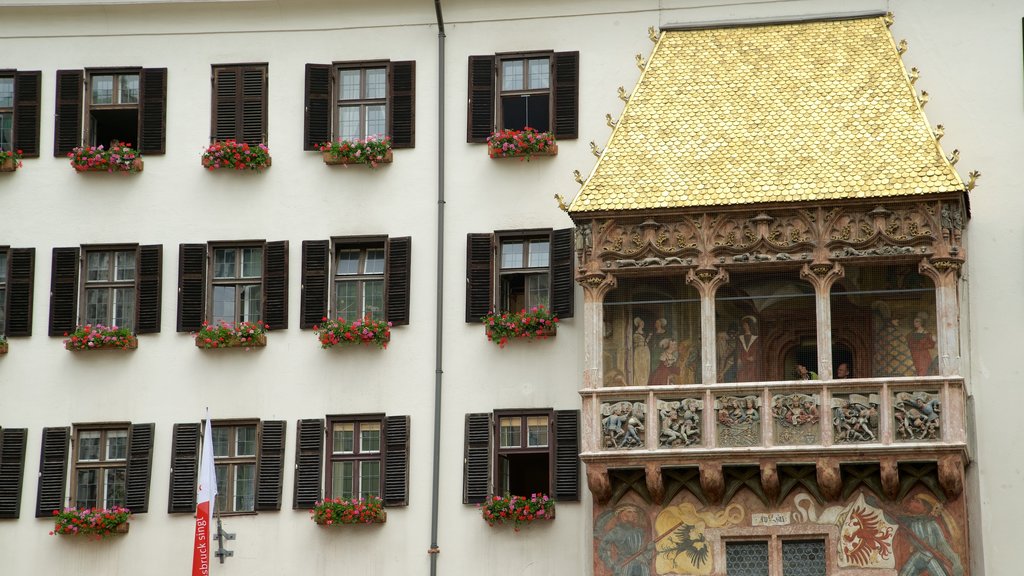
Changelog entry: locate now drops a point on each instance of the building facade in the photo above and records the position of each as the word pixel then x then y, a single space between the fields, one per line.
pixel 689 413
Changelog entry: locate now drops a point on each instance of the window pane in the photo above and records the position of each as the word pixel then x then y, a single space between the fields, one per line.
pixel 341 480
pixel 117 444
pixel 537 431
pixel 539 73
pixel 374 261
pixel 252 262
pixel 223 304
pixel 251 303
pixel 375 125
pixel 125 266
pixel 512 75
pixel 245 487
pixel 348 122
pixel 373 296
pixel 347 299
pixel 349 84
pixel 369 437
pixel 6 92
pixel 221 442
pixel 102 89
pixel 97 306
pixel 86 489
pixel 89 445
pixel 344 434
pixel 376 83
pixel 746 558
pixel 124 308
pixel 510 433
pixel 803 557
pixel 245 441
pixel 222 482
pixel 3 267
pixel 97 266
pixel 6 131
pixel 369 478
pixel 537 290
pixel 129 89
pixel 113 487
pixel 348 262
pixel 539 253
pixel 224 263
pixel 512 255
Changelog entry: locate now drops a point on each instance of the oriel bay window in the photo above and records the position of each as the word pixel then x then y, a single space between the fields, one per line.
pixel 365 455
pixel 113 285
pixel 19 111
pixel 357 100
pixel 127 105
pixel 233 282
pixel 356 277
pixel 111 464
pixel 17 270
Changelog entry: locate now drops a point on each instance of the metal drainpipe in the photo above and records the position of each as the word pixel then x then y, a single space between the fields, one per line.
pixel 438 339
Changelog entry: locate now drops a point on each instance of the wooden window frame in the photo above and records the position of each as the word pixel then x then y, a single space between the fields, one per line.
pixel 102 463
pixel 362 244
pixel 356 456
pixel 238 280
pixel 5 270
pixel 501 92
pixel 233 460
pixel 25 110
pixel 241 121
pixel 12 470
pixel 338 102
pixel 111 284
pixel 498 484
pixel 10 109
pixel 499 297
pixel 88 135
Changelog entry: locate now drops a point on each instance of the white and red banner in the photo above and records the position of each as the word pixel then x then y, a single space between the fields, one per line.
pixel 206 495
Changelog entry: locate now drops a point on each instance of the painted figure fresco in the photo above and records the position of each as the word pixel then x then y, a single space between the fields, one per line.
pixel 921 344
pixel 854 418
pixel 928 530
pixel 748 351
pixel 623 424
pixel 893 351
pixel 641 353
pixel 623 541
pixel 796 418
pixel 680 423
pixel 917 416
pixel 738 420
pixel 727 347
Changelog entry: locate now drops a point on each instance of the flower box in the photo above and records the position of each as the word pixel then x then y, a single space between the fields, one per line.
pixel 229 154
pixel 98 522
pixel 243 335
pixel 517 511
pixel 119 158
pixel 3 347
pixel 9 164
pixel 98 337
pixel 338 333
pixel 332 160
pixel 136 166
pixel 537 323
pixel 523 144
pixel 340 511
pixel 370 151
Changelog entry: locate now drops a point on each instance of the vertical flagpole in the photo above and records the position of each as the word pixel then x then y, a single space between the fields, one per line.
pixel 206 495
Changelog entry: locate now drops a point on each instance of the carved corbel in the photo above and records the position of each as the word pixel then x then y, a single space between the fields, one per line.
pixel 890 472
pixel 707 280
pixel 712 481
pixel 830 480
pixel 655 484
pixel 599 483
pixel 942 271
pixel 596 285
pixel 770 481
pixel 951 476
pixel 822 275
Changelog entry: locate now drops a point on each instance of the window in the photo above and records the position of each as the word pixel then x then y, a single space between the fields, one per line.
pixel 3 291
pixel 355 100
pixel 112 104
pixel 19 111
pixel 532 268
pixel 800 557
pixel 12 470
pixel 513 91
pixel 111 465
pixel 366 455
pixel 522 452
pixel 17 268
pixel 249 459
pixel 237 282
pixel 116 286
pixel 240 103
pixel 354 277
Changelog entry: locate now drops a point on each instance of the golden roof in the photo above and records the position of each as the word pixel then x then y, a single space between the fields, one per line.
pixel 801 111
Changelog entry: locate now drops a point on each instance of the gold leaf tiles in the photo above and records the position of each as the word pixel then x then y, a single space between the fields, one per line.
pixel 772 113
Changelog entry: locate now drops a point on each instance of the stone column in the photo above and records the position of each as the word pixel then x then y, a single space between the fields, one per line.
pixel 595 287
pixel 707 281
pixel 945 272
pixel 822 275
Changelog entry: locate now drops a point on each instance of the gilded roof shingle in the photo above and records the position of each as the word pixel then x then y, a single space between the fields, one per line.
pixel 771 113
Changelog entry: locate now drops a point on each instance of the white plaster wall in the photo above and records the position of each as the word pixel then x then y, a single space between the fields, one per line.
pixel 970 60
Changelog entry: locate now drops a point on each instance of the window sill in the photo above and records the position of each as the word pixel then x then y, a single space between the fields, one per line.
pixel 381 519
pixel 257 341
pixel 9 165
pixel 130 343
pixel 496 152
pixel 332 160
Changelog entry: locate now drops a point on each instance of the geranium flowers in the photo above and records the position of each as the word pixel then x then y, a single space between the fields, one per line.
pixel 535 323
pixel 120 157
pixel 231 154
pixel 523 144
pixel 366 331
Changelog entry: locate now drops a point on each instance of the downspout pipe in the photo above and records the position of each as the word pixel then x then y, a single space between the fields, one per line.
pixel 439 321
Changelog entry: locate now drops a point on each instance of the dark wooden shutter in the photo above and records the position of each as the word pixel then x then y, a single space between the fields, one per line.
pixel 563 274
pixel 270 467
pixel 27 95
pixel 275 284
pixel 315 263
pixel 403 105
pixel 567 455
pixel 148 288
pixel 396 461
pixel 309 461
pixel 480 121
pixel 191 286
pixel 477 463
pixel 181 495
pixel 399 263
pixel 566 91
pixel 318 106
pixel 152 110
pixel 67 131
pixel 63 291
pixel 12 470
pixel 139 468
pixel 254 105
pixel 20 274
pixel 479 271
pixel 227 83
pixel 53 470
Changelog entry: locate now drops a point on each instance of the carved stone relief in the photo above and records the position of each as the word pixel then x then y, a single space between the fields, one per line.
pixel 796 417
pixel 680 423
pixel 855 418
pixel 916 416
pixel 623 424
pixel 738 420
